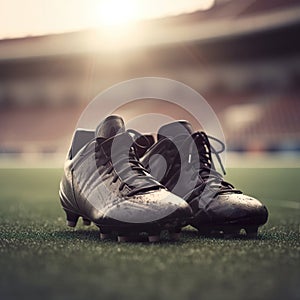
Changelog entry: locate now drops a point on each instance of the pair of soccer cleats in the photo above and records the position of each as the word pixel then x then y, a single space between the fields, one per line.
pixel 134 188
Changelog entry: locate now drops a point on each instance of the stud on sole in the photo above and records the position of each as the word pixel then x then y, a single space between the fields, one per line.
pixel 124 239
pixel 71 223
pixel 231 233
pixel 154 238
pixel 71 218
pixel 251 232
pixel 86 222
pixel 104 236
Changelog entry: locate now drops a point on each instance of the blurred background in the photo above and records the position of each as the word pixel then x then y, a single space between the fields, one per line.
pixel 243 57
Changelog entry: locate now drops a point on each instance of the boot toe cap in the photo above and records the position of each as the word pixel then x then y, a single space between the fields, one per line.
pixel 149 207
pixel 239 207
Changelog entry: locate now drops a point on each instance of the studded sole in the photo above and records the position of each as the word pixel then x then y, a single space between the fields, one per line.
pixel 138 237
pixel 229 232
pixel 152 235
pixel 131 233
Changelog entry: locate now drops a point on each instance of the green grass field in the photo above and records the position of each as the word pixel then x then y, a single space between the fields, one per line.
pixel 43 259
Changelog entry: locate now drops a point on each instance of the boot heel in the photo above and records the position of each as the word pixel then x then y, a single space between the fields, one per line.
pixel 72 218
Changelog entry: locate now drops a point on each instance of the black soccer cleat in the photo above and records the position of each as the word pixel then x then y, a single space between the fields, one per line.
pixel 182 161
pixel 105 183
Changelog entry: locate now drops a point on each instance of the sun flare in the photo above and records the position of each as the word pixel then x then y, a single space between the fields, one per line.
pixel 116 13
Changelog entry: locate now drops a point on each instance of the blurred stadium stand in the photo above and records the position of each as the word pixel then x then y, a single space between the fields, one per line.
pixel 242 56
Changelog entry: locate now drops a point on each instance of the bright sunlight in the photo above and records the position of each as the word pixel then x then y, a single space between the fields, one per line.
pixel 117 13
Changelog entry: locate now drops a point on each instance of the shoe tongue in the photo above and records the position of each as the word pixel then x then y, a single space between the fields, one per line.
pixel 117 145
pixel 174 129
pixel 111 126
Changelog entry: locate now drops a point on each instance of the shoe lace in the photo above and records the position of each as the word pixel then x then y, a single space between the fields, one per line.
pixel 127 163
pixel 207 170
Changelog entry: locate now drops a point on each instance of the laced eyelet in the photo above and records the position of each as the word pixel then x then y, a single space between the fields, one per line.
pixel 115 179
pixel 121 186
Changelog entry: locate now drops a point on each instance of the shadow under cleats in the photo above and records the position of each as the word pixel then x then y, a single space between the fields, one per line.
pixel 105 183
